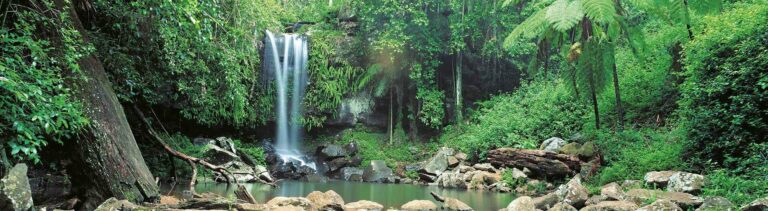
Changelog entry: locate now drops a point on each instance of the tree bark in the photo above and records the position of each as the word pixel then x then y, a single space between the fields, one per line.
pixel 617 93
pixel 111 160
pixel 593 95
pixel 542 164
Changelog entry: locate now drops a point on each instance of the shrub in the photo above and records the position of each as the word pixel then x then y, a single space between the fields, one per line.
pixel 725 94
pixel 533 113
pixel 374 146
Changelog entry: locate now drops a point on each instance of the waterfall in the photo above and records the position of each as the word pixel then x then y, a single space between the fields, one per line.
pixel 290 75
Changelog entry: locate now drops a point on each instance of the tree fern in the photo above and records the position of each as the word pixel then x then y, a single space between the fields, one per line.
pixel 600 11
pixel 564 14
pixel 532 27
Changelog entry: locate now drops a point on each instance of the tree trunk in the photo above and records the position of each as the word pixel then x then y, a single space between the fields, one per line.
pixel 593 95
pixel 617 92
pixel 391 128
pixel 458 106
pixel 111 161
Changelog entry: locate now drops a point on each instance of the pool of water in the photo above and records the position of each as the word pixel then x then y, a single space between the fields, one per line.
pixel 389 195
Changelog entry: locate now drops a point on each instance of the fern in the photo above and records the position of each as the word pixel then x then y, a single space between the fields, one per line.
pixel 532 27
pixel 564 14
pixel 600 11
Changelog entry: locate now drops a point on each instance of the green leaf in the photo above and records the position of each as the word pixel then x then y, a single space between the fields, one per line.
pixel 600 11
pixel 564 14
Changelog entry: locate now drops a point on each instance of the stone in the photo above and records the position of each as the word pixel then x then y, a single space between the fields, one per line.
pixel 453 162
pixel 451 180
pixel 570 149
pixel 552 144
pixel 562 206
pixel 465 169
pixel 15 192
pixel 573 192
pixel 419 205
pixel 684 200
pixel 341 162
pixel 331 151
pixel 612 191
pixel 592 200
pixel 351 148
pixel 484 167
pixel 658 179
pixel 114 204
pixel 631 184
pixel 611 206
pixel 587 150
pixel 455 204
pixel 661 205
pixel 363 205
pixel 685 182
pixel 480 179
pixel 518 174
pixel 461 156
pixel 351 173
pixel 756 205
pixel 202 141
pixel 523 203
pixel 329 200
pixel 281 201
pixel 251 207
pixel 439 162
pixel 377 172
pixel 542 164
pixel 716 203
pixel 546 201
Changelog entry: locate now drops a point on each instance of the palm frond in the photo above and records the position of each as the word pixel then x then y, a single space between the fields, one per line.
pixel 564 14
pixel 368 76
pixel 600 11
pixel 528 29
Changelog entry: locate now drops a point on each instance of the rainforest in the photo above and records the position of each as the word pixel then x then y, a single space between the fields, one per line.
pixel 591 105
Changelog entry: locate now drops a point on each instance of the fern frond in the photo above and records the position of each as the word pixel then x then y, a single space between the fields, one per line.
pixel 528 29
pixel 600 11
pixel 564 14
pixel 705 6
pixel 368 76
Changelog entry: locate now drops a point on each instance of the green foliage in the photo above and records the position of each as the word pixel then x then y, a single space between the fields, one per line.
pixel 253 150
pixel 738 189
pixel 39 54
pixel 535 112
pixel 565 14
pixel 632 153
pixel 374 146
pixel 725 93
pixel 506 177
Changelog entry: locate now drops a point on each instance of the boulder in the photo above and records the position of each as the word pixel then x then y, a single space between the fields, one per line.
pixel 363 205
pixel 716 203
pixel 685 182
pixel 314 178
pixel 451 180
pixel 587 150
pixel 592 200
pixel 377 172
pixel 351 174
pixel 453 162
pixel 546 201
pixel 480 179
pixel 351 148
pixel 329 200
pixel 523 203
pixel 484 167
pixel 541 163
pixel 15 193
pixel 756 205
pixel 631 184
pixel 114 204
pixel 684 200
pixel 439 162
pixel 661 205
pixel 341 162
pixel 465 169
pixel 573 192
pixel 518 174
pixel 330 151
pixel 455 204
pixel 552 144
pixel 612 191
pixel 461 156
pixel 562 206
pixel 658 179
pixel 570 149
pixel 281 201
pixel 419 205
pixel 611 206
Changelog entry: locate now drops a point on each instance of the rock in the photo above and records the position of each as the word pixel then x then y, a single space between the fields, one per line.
pixel 453 162
pixel 202 141
pixel 480 179
pixel 341 162
pixel 15 192
pixel 552 144
pixel 570 149
pixel 114 204
pixel 518 174
pixel 455 204
pixel 484 167
pixel 363 205
pixel 612 191
pixel 251 207
pixel 523 203
pixel 573 192
pixel 263 173
pixel 461 156
pixel 351 174
pixel 351 148
pixel 451 180
pixel 683 200
pixel 465 169
pixel 226 143
pixel 592 200
pixel 611 206
pixel 756 205
pixel 562 206
pixel 330 151
pixel 541 163
pixel 546 201
pixel 631 184
pixel 377 172
pixel 329 200
pixel 281 201
pixel 658 179
pixel 661 205
pixel 314 178
pixel 715 203
pixel 439 162
pixel 419 205
pixel 415 166
pixel 685 182
pixel 587 150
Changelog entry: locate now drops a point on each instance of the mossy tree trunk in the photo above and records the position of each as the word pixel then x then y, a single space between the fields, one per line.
pixel 111 162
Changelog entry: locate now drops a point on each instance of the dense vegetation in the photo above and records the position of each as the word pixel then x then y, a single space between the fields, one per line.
pixel 656 85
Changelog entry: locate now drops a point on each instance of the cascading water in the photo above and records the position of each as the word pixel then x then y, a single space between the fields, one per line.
pixel 290 75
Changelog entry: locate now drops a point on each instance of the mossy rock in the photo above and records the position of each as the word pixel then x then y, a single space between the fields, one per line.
pixel 587 150
pixel 571 149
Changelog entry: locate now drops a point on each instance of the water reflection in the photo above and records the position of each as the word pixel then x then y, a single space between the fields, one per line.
pixel 389 195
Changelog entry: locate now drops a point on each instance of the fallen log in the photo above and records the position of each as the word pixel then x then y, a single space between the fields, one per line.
pixel 244 195
pixel 541 163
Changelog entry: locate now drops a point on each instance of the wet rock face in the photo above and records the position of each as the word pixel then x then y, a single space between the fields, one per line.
pixel 15 193
pixel 377 172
